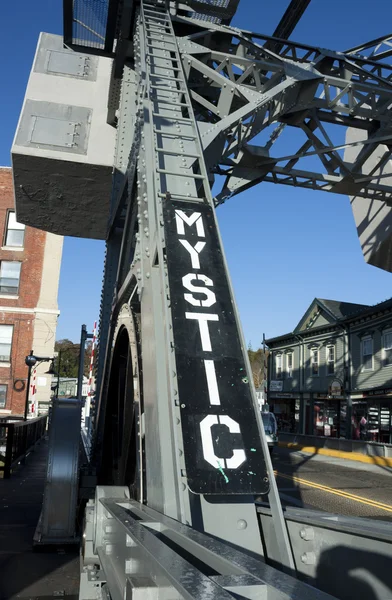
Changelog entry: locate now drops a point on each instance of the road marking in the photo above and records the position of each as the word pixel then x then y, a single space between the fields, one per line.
pixel 347 495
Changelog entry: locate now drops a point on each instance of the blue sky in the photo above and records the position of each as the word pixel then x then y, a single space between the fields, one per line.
pixel 284 245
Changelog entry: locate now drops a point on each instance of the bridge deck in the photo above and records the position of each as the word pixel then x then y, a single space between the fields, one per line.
pixel 26 573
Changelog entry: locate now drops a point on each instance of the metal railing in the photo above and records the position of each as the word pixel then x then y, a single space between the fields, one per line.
pixel 17 439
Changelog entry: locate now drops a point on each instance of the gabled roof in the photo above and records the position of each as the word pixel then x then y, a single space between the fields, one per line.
pixel 342 310
pixel 369 310
pixel 338 312
pixel 333 310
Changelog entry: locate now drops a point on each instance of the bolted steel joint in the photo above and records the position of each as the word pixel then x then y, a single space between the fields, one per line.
pixel 307 534
pixel 308 558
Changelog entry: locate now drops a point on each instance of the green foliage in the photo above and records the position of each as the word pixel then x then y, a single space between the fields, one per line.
pixel 69 363
pixel 256 359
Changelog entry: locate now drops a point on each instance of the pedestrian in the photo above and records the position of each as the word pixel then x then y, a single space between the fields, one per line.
pixel 363 428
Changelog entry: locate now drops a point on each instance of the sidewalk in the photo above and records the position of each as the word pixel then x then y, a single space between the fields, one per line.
pixel 28 574
pixel 344 460
pixel 380 461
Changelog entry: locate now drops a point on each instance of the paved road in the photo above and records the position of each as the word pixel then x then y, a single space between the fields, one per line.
pixel 333 485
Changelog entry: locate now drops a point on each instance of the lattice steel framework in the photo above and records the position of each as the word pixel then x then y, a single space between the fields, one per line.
pixel 199 100
pixel 240 89
pixel 197 103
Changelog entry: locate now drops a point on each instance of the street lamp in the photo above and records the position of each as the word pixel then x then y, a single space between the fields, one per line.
pixel 52 371
pixel 31 360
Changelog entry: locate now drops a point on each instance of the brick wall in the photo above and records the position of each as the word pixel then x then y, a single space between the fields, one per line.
pixel 31 257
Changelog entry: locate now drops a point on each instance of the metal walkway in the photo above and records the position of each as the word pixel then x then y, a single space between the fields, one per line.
pixel 26 573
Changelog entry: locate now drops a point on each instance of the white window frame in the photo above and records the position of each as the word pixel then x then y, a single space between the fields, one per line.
pixel 3 358
pixel 367 338
pixel 384 355
pixel 279 356
pixel 2 406
pixel 314 352
pixel 329 347
pixel 14 292
pixel 15 227
pixel 288 370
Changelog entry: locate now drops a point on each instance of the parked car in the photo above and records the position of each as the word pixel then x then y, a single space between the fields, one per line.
pixel 271 429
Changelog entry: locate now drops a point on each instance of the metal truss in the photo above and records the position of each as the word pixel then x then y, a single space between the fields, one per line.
pixel 163 242
pixel 378 49
pixel 249 100
pixel 177 420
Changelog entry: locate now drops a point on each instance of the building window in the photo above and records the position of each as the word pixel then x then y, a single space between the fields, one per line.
pixel 15 231
pixel 9 277
pixel 289 359
pixel 314 359
pixel 278 366
pixel 3 395
pixel 387 348
pixel 330 360
pixel 367 354
pixel 5 342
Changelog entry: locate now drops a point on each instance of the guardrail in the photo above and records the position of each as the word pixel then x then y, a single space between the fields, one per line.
pixel 360 446
pixel 19 438
pixel 347 557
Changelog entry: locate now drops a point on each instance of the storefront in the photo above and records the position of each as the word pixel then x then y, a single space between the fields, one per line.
pixel 286 408
pixel 327 416
pixel 372 416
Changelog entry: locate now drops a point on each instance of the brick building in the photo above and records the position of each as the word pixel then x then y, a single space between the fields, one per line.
pixel 29 275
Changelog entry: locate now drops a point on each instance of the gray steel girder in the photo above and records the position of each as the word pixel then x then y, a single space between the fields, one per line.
pixel 166 186
pixel 347 557
pixel 241 91
pixel 144 554
pixel 202 105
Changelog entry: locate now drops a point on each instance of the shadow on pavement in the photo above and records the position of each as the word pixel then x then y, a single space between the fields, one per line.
pixel 26 573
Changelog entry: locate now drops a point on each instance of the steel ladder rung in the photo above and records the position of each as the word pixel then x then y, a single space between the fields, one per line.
pixel 170 103
pixel 161 67
pixel 164 58
pixel 161 29
pixel 150 32
pixel 179 119
pixel 178 136
pixel 170 107
pixel 149 8
pixel 151 45
pixel 154 12
pixel 189 175
pixel 181 197
pixel 177 153
pixel 167 89
pixel 167 77
pixel 166 69
pixel 161 57
pixel 161 20
pixel 155 28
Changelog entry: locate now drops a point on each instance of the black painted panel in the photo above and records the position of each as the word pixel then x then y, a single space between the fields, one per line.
pixel 217 475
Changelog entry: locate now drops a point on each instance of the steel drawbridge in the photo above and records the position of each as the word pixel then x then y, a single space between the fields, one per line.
pixel 179 446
